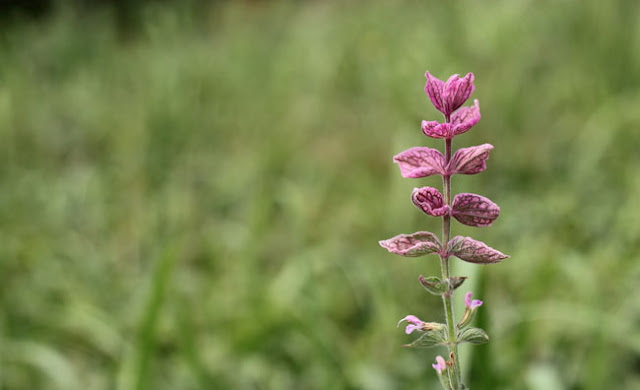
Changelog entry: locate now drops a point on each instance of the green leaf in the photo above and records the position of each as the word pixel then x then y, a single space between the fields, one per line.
pixel 434 285
pixel 473 336
pixel 431 338
pixel 439 287
pixel 456 281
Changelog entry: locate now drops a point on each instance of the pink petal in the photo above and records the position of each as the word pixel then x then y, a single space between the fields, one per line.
pixel 412 245
pixel 420 162
pixel 456 91
pixel 434 89
pixel 465 118
pixel 467 299
pixel 440 364
pixel 474 210
pixel 470 161
pixel 471 304
pixel 411 319
pixel 435 129
pixel 473 251
pixel 430 201
pixel 410 328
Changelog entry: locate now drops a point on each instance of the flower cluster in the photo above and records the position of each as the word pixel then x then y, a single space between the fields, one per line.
pixel 468 209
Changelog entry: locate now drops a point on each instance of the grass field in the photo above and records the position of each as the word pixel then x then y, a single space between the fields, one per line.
pixel 197 205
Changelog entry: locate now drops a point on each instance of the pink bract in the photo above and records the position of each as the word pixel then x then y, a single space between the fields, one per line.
pixel 430 201
pixel 450 95
pixel 461 121
pixel 469 161
pixel 412 245
pixel 435 129
pixel 474 210
pixel 420 162
pixel 474 251
pixel 465 118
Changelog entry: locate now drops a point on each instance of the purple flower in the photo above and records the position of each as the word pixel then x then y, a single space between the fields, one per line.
pixel 440 364
pixel 470 310
pixel 415 323
pixel 450 95
pixel 471 304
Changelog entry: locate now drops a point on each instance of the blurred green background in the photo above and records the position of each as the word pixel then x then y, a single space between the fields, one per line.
pixel 192 199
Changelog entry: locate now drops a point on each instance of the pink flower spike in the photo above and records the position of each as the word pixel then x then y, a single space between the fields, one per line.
pixel 450 95
pixel 471 304
pixel 440 364
pixel 465 118
pixel 420 162
pixel 474 210
pixel 470 161
pixel 437 130
pixel 430 201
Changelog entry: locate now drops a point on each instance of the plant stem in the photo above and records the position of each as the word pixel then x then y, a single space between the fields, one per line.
pixel 447 298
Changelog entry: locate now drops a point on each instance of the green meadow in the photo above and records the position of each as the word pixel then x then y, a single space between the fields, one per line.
pixel 195 202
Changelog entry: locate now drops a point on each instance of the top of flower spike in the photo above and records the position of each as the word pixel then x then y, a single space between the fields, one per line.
pixel 450 95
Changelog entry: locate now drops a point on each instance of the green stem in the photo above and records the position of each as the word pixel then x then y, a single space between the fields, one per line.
pixel 447 298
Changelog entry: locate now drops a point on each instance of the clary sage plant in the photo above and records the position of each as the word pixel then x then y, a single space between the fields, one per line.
pixel 468 209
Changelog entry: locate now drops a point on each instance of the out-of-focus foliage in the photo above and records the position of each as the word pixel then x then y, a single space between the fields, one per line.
pixel 199 207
